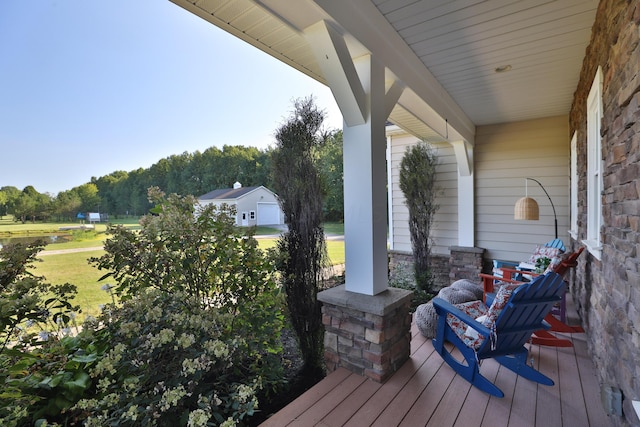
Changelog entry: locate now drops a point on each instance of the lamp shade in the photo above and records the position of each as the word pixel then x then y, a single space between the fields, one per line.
pixel 526 208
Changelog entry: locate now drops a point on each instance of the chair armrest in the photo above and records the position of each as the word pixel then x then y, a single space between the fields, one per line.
pixel 444 307
pixel 517 273
pixel 488 281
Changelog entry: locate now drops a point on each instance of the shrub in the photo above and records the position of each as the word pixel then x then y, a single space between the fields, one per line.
pixel 25 297
pixel 44 382
pixel 42 368
pixel 417 182
pixel 194 340
pixel 198 331
pixel 173 362
pixel 297 181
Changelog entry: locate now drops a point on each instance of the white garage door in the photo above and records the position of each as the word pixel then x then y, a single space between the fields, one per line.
pixel 268 213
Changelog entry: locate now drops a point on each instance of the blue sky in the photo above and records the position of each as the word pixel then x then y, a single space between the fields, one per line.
pixel 87 88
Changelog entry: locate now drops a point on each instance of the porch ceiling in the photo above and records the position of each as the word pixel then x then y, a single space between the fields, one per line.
pixel 444 52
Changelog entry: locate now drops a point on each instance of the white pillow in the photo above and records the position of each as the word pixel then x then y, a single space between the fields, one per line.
pixel 472 333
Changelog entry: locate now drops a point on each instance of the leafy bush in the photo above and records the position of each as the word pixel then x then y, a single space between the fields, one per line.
pixel 194 341
pixel 46 381
pixel 297 181
pixel 542 264
pixel 198 333
pixel 173 362
pixel 25 297
pixel 198 250
pixel 42 369
pixel 418 184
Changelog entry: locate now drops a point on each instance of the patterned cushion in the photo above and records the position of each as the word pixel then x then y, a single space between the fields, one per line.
pixel 542 252
pixel 470 332
pixel 555 262
pixel 477 309
pixel 499 302
pixel 474 309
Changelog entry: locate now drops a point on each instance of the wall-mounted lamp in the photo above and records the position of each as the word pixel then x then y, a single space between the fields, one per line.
pixel 527 208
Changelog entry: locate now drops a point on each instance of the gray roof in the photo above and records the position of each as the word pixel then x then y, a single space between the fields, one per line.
pixel 227 193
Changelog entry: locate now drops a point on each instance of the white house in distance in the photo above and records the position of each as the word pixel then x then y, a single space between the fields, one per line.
pixel 254 205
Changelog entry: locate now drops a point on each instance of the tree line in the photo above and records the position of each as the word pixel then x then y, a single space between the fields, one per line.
pixel 124 193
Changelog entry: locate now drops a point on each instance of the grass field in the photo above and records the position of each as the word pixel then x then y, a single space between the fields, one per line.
pixel 335 249
pixel 74 268
pixel 10 227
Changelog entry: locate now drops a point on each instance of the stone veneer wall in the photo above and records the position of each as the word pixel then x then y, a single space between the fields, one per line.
pixel 462 263
pixel 440 268
pixel 607 292
pixel 465 263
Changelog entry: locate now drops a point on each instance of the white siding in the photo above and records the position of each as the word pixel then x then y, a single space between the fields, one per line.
pixel 249 202
pixel 505 154
pixel 219 204
pixel 445 225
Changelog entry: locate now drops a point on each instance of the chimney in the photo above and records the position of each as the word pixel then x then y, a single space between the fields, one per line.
pixel 237 185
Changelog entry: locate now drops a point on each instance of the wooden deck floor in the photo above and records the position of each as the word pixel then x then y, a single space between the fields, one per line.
pixel 427 392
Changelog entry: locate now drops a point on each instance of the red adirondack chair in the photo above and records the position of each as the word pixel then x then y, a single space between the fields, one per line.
pixel 558 324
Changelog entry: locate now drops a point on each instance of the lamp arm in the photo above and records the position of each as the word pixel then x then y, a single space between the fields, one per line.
pixel 555 217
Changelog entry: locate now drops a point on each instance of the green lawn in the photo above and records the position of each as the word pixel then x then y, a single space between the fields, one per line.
pixel 73 267
pixel 334 228
pixel 335 249
pixel 262 230
pixel 90 241
pixel 10 228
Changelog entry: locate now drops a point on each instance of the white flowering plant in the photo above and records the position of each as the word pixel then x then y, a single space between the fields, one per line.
pixel 173 362
pixel 195 338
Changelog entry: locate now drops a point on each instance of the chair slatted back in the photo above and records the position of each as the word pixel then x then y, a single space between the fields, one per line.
pixel 556 243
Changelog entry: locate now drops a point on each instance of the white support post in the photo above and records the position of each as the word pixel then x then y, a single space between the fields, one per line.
pixel 390 227
pixel 466 193
pixel 466 211
pixel 365 195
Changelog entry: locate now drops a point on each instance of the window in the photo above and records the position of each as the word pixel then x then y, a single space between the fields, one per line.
pixel 252 215
pixel 594 166
pixel 574 186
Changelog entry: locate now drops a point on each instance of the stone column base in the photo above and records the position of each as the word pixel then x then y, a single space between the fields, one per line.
pixel 369 335
pixel 465 263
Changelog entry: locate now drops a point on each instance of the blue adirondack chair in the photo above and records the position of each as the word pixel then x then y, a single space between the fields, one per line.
pixel 516 312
